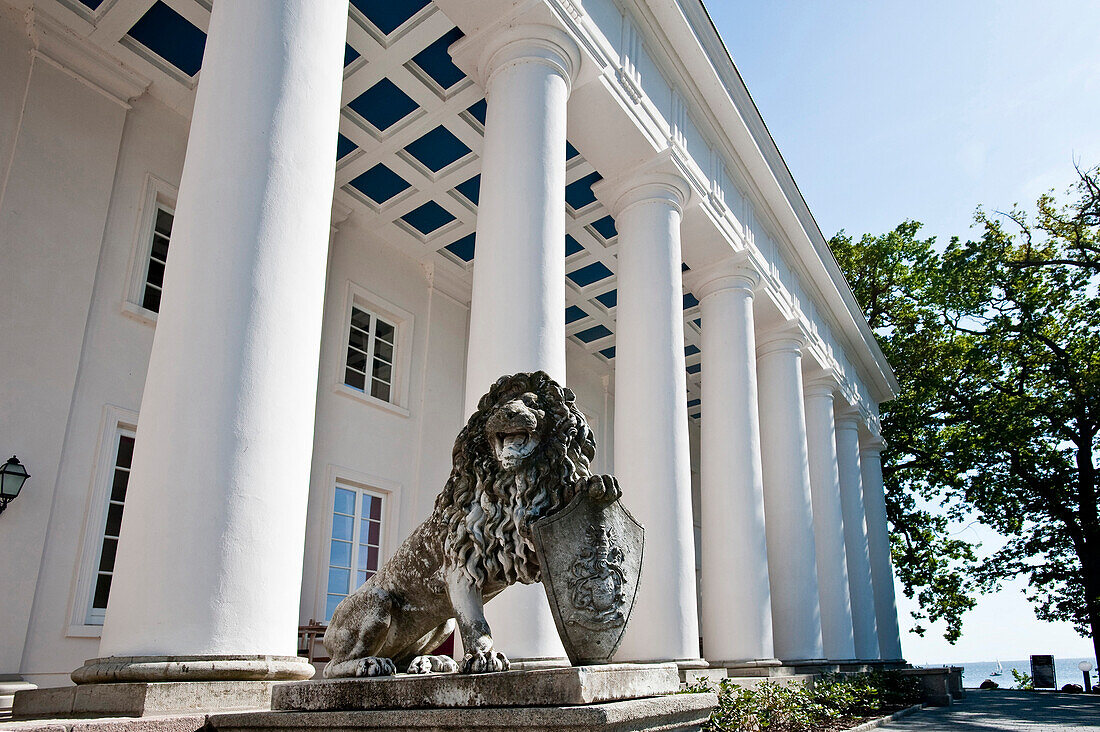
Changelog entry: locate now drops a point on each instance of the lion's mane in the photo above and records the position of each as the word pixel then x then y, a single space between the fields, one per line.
pixel 488 511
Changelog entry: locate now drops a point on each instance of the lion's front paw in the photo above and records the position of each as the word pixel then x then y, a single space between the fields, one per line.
pixel 602 488
pixel 433 664
pixel 484 662
pixel 375 666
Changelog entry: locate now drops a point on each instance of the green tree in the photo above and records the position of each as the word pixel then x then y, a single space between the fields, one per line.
pixel 996 343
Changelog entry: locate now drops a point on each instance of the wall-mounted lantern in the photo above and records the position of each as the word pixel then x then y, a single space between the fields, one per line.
pixel 12 477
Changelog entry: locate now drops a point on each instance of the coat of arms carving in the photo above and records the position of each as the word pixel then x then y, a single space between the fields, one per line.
pixel 591 557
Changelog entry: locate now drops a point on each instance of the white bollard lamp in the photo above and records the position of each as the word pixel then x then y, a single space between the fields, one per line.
pixel 12 477
pixel 1086 667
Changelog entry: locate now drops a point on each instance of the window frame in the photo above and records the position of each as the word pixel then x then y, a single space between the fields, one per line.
pixel 402 320
pixel 116 422
pixel 157 194
pixel 390 493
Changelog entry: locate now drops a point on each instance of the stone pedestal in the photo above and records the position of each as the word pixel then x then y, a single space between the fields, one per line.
pixel 611 697
pixel 141 699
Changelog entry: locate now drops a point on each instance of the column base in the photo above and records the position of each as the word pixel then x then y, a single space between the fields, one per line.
pixel 117 669
pixel 812 666
pixel 530 664
pixel 142 699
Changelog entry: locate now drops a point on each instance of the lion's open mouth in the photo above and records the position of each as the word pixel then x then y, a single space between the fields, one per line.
pixel 513 447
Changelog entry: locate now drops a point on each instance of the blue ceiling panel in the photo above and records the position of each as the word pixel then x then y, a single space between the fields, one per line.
pixel 344 146
pixel 350 54
pixel 690 350
pixel 478 109
pixel 389 15
pixel 463 248
pixel 694 369
pixel 578 194
pixel 380 184
pixel 91 4
pixel 609 299
pixel 694 402
pixel 437 149
pixel 471 189
pixel 690 300
pixel 605 227
pixel 608 353
pixel 428 217
pixel 698 322
pixel 436 62
pixel 593 334
pixel 696 415
pixel 573 314
pixel 585 276
pixel 172 37
pixel 572 246
pixel 383 104
pixel 570 151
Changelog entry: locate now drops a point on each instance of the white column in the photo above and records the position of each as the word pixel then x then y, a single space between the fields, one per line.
pixel 210 558
pixel 517 320
pixel 652 460
pixel 878 544
pixel 736 596
pixel 855 533
pixel 832 569
pixel 792 568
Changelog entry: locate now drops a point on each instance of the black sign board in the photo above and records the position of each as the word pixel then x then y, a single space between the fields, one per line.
pixel 1042 672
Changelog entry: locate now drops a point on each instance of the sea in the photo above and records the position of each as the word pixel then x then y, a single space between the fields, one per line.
pixel 1065 671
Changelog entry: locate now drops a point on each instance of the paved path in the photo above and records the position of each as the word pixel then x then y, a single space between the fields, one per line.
pixel 1019 711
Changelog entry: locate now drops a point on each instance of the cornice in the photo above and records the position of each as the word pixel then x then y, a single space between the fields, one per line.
pixel 76 56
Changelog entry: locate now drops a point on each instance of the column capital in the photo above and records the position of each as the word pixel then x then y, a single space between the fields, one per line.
pixel 493 49
pixel 661 179
pixel 737 272
pixel 847 417
pixel 821 383
pixel 871 444
pixel 787 338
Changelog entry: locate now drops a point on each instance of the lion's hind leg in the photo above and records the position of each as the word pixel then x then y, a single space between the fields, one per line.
pixel 426 664
pixel 356 636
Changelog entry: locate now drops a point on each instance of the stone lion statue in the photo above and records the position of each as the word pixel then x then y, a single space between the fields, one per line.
pixel 523 455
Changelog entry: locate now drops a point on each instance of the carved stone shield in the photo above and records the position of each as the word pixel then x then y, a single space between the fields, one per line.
pixel 591 558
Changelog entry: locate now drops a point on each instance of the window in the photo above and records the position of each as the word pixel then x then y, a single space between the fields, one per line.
pixel 370 357
pixel 108 543
pixel 158 256
pixel 152 232
pixel 355 546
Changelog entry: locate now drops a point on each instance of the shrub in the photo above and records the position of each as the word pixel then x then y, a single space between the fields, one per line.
pixel 1023 681
pixel 771 707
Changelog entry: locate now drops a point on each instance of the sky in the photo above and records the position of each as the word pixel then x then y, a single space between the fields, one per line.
pixel 887 110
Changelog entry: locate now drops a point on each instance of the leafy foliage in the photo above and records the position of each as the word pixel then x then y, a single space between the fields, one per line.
pixel 1023 681
pixel 996 344
pixel 796 707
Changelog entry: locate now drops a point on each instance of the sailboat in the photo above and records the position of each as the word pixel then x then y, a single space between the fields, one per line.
pixel 1000 670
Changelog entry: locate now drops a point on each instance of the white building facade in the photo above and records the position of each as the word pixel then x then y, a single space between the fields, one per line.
pixel 235 379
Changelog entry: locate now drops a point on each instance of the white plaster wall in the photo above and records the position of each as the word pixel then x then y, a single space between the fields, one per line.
pixel 112 372
pixel 57 181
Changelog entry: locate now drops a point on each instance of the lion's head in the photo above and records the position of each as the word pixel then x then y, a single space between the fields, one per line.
pixel 519 458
